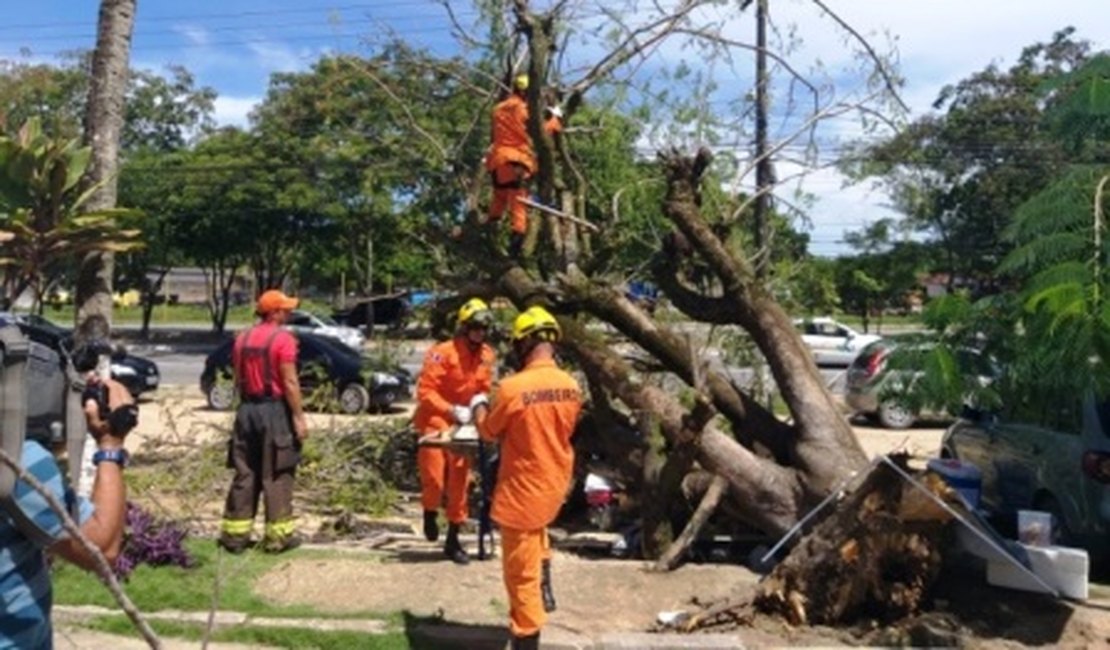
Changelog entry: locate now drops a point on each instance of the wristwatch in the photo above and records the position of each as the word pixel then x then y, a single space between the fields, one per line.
pixel 117 456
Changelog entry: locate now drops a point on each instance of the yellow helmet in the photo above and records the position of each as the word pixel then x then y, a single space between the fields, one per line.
pixel 536 320
pixel 475 311
pixel 520 82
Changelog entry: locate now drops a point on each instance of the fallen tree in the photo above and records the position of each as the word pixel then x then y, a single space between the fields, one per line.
pixel 769 470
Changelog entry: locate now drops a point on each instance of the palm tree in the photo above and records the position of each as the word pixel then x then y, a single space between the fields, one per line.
pixel 103 124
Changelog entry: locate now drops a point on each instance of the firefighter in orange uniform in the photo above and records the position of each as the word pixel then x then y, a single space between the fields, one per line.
pixel 533 417
pixel 454 371
pixel 511 162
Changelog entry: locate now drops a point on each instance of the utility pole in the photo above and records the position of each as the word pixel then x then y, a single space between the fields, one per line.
pixel 763 175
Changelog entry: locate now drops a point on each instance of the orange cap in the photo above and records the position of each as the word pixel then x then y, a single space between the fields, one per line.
pixel 274 300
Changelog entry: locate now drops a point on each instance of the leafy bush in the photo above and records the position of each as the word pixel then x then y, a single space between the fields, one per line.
pixel 149 540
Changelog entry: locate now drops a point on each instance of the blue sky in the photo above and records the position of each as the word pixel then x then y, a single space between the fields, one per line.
pixel 234 45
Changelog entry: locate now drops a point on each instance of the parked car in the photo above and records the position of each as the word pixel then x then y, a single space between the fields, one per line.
pixel 1056 460
pixel 882 378
pixel 391 311
pixel 305 321
pixel 830 342
pixel 326 369
pixel 139 374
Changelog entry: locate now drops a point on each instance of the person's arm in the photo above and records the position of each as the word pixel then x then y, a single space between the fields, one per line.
pixel 105 527
pixel 431 379
pixel 492 420
pixel 292 387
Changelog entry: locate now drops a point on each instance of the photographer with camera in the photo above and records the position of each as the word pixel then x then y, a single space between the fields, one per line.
pixel 24 575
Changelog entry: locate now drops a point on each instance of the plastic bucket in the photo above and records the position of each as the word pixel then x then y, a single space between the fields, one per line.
pixel 963 477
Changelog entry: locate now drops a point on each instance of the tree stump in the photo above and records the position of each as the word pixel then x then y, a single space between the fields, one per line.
pixel 876 556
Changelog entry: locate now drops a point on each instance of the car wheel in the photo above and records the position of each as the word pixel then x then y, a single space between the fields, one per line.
pixel 354 399
pixel 221 395
pixel 893 414
pixel 1061 534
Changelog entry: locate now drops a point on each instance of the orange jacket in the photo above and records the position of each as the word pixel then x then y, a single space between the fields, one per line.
pixel 452 374
pixel 533 415
pixel 511 142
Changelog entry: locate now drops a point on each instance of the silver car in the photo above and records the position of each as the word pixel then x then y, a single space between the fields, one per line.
pixel 883 382
pixel 832 343
pixel 305 321
pixel 1056 460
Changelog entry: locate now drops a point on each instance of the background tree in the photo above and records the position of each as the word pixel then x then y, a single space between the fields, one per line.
pixel 103 124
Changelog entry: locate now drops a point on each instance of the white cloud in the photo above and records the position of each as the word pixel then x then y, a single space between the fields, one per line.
pixel 234 111
pixel 194 34
pixel 279 57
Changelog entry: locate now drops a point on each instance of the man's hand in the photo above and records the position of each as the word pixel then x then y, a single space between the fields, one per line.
pixel 100 428
pixel 300 427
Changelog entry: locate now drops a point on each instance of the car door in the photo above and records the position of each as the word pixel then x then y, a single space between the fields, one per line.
pixel 313 365
pixel 971 441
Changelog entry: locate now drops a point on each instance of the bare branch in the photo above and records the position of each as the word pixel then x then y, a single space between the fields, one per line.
pixel 880 66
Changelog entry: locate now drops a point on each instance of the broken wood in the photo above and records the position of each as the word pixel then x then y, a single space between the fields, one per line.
pixel 876 555
pixel 705 509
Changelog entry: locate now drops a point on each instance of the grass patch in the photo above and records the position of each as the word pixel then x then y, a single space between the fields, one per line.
pixel 160 588
pixel 280 637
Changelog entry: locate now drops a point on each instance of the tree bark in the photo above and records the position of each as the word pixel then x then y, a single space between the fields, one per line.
pixel 103 124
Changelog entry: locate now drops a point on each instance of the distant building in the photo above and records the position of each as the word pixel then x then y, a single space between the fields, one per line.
pixel 189 285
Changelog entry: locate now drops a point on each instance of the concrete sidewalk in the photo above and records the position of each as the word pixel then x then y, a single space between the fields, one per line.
pixel 69 634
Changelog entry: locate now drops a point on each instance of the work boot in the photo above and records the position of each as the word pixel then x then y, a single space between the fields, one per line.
pixel 282 544
pixel 545 588
pixel 452 548
pixel 516 245
pixel 431 525
pixel 234 544
pixel 530 642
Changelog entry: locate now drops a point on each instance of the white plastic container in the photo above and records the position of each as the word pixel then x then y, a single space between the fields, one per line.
pixel 1034 527
pixel 1062 568
pixel 963 477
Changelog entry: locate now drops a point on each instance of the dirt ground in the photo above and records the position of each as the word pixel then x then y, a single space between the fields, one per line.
pixel 603 595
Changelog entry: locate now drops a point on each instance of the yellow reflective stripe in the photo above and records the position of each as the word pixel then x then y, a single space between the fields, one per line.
pixel 280 529
pixel 236 526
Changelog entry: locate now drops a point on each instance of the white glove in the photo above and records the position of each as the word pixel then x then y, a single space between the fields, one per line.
pixel 481 399
pixel 461 414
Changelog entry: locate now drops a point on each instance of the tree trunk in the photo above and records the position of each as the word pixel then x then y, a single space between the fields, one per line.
pixel 103 124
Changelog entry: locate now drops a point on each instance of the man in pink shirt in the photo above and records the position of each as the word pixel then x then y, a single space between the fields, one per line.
pixel 269 427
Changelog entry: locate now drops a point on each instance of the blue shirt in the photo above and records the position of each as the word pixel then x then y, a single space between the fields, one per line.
pixel 24 575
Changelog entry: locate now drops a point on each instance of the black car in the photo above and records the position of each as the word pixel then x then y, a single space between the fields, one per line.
pixel 330 375
pixel 138 374
pixel 393 312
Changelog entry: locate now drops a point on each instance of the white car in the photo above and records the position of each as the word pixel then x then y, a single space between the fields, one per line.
pixel 304 321
pixel 830 342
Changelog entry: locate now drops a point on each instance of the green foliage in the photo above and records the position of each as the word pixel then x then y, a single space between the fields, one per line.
pixel 42 215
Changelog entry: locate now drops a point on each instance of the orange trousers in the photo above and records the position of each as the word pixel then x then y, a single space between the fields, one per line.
pixel 444 472
pixel 522 556
pixel 505 196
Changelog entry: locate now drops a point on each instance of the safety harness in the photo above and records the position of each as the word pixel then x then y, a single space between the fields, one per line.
pixel 247 351
pixel 15 350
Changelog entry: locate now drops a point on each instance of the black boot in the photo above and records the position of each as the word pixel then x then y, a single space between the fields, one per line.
pixel 516 245
pixel 545 588
pixel 431 526
pixel 452 548
pixel 530 642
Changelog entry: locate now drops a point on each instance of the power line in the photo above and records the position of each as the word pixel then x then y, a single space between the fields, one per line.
pixel 141 20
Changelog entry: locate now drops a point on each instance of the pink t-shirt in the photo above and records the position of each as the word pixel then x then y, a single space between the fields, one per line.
pixel 283 349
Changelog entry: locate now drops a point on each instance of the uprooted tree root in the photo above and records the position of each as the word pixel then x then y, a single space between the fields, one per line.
pixel 874 558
